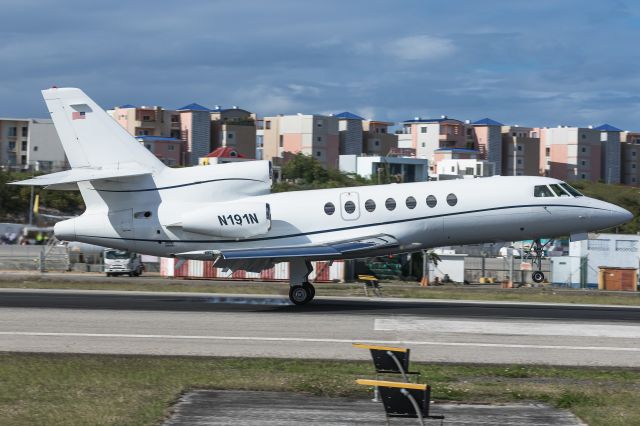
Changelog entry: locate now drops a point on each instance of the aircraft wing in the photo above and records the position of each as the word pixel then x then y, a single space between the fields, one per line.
pixel 61 180
pixel 259 258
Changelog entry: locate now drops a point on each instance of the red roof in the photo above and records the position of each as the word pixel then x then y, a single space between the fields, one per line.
pixel 225 152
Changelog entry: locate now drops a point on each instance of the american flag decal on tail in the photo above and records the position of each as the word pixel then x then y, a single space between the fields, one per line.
pixel 78 115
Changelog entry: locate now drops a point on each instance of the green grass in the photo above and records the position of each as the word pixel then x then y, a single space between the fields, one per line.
pixel 139 390
pixel 392 289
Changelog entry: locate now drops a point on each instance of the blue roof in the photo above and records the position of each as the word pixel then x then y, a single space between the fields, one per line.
pixel 194 107
pixel 127 106
pixel 487 122
pixel 349 116
pixel 157 138
pixel 607 128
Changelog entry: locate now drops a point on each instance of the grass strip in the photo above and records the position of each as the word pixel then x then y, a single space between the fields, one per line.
pixel 138 390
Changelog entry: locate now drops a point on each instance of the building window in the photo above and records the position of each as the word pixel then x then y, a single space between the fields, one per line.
pixel 583 176
pixel 175 119
pixel 319 138
pixel 349 207
pixel 370 205
pixel 25 132
pixel 35 148
pixel 318 154
pixel 519 160
pixel 383 130
pixel 329 209
pixel 633 153
pixel 519 148
pixel 547 151
pixel 452 200
pixel 146 118
pixel 584 149
pixel 319 123
pixel 171 147
pixel 583 136
pixel 627 245
pixel 598 245
pixel 633 166
pixel 423 130
pixel 148 147
pixel 229 135
pixel 281 141
pixel 583 163
pixel 12 145
pixel 267 125
pixel 411 203
pixel 432 201
pixel 390 204
pixel 13 131
pixel 423 144
pixel 24 145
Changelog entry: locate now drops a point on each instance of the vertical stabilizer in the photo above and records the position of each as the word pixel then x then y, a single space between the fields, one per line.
pixel 90 137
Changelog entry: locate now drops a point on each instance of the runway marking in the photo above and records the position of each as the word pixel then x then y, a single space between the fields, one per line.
pixel 504 327
pixel 316 340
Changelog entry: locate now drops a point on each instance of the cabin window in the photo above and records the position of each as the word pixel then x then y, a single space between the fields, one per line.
pixel 432 201
pixel 349 207
pixel 558 191
pixel 452 200
pixel 411 203
pixel 370 205
pixel 542 191
pixel 390 204
pixel 571 190
pixel 329 209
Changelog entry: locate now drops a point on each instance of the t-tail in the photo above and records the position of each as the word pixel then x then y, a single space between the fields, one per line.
pixel 96 146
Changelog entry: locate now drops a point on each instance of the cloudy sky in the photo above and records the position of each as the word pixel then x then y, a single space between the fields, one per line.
pixel 534 63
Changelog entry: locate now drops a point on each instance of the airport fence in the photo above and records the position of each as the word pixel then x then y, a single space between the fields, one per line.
pixel 33 258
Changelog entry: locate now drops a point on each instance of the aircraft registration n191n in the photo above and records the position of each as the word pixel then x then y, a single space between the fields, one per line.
pixel 228 214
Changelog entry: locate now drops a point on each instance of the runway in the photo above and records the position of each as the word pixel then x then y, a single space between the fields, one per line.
pixel 76 321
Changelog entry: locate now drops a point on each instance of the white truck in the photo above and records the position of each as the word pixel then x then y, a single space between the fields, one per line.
pixel 122 262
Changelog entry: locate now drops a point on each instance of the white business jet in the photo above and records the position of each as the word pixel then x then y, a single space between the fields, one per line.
pixel 227 213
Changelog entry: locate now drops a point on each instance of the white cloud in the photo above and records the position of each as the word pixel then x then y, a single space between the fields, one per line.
pixel 421 47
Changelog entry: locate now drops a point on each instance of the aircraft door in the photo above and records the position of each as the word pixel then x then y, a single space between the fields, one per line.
pixel 350 205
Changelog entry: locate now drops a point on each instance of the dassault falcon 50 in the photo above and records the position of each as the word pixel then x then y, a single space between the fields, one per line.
pixel 228 214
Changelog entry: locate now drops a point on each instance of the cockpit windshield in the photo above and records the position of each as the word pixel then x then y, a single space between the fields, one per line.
pixel 555 190
pixel 571 190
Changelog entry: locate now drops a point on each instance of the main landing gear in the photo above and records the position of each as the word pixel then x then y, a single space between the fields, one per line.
pixel 535 253
pixel 301 291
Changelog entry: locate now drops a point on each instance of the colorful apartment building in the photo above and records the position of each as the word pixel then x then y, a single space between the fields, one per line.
pixel 376 138
pixel 30 144
pixel 571 153
pixel 611 153
pixel 428 135
pixel 168 150
pixel 311 134
pixel 148 120
pixel 630 161
pixel 488 138
pixel 351 133
pixel 234 128
pixel 520 151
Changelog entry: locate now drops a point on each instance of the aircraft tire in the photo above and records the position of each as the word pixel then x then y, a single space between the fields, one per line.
pixel 312 289
pixel 300 294
pixel 537 277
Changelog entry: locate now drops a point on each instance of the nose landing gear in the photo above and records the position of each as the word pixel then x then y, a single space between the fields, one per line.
pixel 535 253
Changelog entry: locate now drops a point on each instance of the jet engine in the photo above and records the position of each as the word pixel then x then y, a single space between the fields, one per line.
pixel 229 220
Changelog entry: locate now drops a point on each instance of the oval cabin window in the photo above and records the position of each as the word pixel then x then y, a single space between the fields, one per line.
pixel 390 204
pixel 452 200
pixel 431 201
pixel 349 207
pixel 370 205
pixel 411 203
pixel 329 209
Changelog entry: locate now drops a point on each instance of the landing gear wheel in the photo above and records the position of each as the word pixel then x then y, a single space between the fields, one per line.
pixel 301 294
pixel 537 277
pixel 312 289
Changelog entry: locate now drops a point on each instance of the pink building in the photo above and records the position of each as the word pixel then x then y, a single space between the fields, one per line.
pixel 310 134
pixel 168 150
pixel 571 153
pixel 488 138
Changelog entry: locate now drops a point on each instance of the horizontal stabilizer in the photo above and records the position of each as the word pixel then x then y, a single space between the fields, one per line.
pixel 55 180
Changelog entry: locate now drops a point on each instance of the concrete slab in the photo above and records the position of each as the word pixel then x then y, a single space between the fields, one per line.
pixel 249 408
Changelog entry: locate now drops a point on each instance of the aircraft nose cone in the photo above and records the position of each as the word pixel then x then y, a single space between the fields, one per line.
pixel 621 215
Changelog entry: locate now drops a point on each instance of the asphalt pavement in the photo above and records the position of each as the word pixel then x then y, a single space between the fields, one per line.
pixel 77 321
